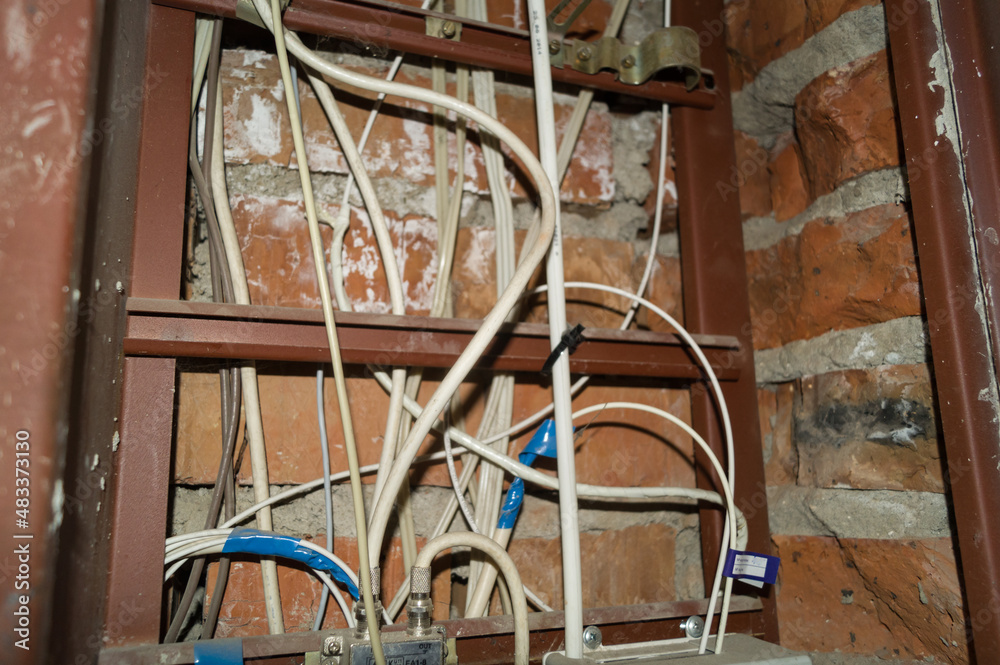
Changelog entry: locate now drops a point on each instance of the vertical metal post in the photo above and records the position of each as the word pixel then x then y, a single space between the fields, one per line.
pixel 142 462
pixel 715 290
pixel 952 169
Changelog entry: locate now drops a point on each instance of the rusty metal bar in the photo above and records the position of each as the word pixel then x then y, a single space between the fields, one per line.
pixel 141 478
pixel 210 330
pixel 375 27
pixel 48 112
pixel 954 269
pixel 714 276
pixel 484 641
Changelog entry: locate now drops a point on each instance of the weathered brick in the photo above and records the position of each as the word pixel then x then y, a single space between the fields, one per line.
pixel 780 457
pixel 606 581
pixel 846 123
pixel 836 274
pixel 869 429
pixel 291 433
pixel 789 184
pixel 242 613
pixel 618 447
pixel 749 177
pixel 277 255
pixel 761 32
pixel 401 144
pixel 892 599
pixel 664 290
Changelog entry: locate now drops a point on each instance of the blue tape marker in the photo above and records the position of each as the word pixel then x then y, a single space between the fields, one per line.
pixel 511 505
pixel 252 541
pixel 542 444
pixel 752 568
pixel 219 652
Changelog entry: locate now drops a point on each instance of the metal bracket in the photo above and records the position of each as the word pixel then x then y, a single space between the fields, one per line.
pixel 558 29
pixel 246 11
pixel 665 48
pixel 442 27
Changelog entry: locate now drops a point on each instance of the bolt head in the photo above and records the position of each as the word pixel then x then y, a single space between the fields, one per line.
pixel 583 54
pixel 554 46
pixel 591 637
pixel 448 29
pixel 628 61
pixel 331 646
pixel 693 626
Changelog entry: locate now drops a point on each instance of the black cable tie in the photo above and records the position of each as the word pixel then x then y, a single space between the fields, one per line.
pixel 570 340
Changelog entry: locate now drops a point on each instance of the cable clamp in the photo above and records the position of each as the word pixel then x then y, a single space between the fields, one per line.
pixel 570 340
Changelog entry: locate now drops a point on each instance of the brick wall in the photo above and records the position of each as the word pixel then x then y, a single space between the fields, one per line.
pixel 853 458
pixel 854 469
pixel 607 201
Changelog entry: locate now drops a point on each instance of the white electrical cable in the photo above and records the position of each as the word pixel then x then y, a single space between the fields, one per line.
pixel 209 543
pixel 269 14
pixel 327 498
pixel 455 482
pixel 519 603
pixel 572 572
pixel 248 372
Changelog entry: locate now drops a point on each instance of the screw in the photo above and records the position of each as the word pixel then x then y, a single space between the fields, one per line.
pixel 628 61
pixel 583 54
pixel 693 626
pixel 448 29
pixel 591 637
pixel 554 46
pixel 331 646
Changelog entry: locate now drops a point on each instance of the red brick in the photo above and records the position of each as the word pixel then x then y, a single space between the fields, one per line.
pixel 243 614
pixel 606 581
pixel 789 184
pixel 846 123
pixel 775 410
pixel 669 199
pixel 664 290
pixel 836 274
pixel 290 430
pixel 750 178
pixel 869 429
pixel 760 32
pixel 401 144
pixel 277 255
pixel 892 599
pixel 822 13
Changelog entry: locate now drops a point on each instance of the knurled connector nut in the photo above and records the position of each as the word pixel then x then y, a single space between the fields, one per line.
pixel 420 580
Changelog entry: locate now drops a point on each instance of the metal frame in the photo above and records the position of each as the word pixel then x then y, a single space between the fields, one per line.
pixel 955 209
pixel 375 27
pixel 159 324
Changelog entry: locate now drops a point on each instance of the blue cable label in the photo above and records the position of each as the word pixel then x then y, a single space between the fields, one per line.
pixel 752 568
pixel 252 541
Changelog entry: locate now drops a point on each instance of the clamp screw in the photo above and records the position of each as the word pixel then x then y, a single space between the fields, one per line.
pixel 583 54
pixel 693 626
pixel 331 646
pixel 554 46
pixel 628 61
pixel 591 637
pixel 448 29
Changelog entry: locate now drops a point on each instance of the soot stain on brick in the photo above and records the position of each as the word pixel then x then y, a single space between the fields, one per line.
pixel 893 422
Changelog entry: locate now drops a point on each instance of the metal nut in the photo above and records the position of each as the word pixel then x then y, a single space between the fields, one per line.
pixel 331 646
pixel 693 626
pixel 591 637
pixel 448 29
